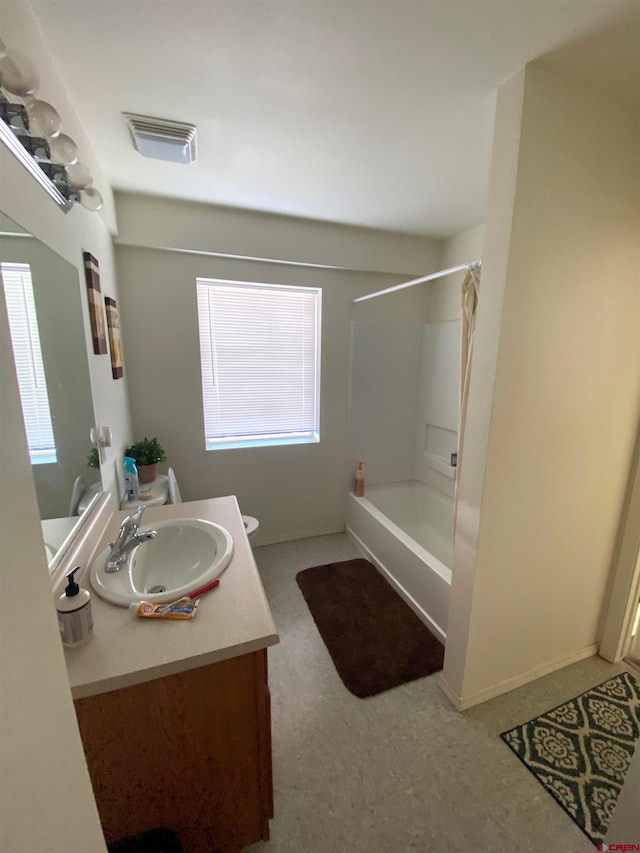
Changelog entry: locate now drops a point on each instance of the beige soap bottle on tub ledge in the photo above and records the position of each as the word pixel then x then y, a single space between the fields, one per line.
pixel 359 487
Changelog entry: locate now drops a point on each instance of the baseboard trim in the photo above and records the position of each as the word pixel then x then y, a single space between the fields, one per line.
pixel 300 534
pixel 461 703
pixel 422 614
pixel 450 693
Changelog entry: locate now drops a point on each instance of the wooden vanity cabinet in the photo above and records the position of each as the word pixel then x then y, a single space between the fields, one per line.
pixel 189 752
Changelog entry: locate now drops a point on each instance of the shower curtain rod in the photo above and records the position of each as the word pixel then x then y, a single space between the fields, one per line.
pixel 430 277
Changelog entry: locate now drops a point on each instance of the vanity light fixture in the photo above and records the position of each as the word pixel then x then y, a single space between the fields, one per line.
pixel 161 139
pixel 31 130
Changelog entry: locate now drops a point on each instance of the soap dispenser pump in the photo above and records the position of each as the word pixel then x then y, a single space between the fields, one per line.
pixel 74 613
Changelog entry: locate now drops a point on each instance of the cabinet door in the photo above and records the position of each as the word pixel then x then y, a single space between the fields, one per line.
pixel 190 752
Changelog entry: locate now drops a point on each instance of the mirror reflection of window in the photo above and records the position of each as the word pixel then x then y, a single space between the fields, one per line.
pixel 25 338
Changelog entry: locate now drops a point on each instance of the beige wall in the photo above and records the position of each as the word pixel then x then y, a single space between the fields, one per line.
pixel 536 534
pixel 294 490
pixel 148 221
pixel 41 758
pixel 47 804
pixel 402 306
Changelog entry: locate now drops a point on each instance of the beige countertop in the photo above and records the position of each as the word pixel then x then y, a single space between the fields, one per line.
pixel 232 619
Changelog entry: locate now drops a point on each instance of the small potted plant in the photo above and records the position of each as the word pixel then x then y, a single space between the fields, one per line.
pixel 147 454
pixel 93 460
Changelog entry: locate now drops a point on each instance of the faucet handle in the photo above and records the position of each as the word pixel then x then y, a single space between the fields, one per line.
pixel 136 517
pixel 131 523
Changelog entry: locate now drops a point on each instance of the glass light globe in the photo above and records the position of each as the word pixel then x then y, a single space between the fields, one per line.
pixel 38 148
pixel 43 119
pixel 16 99
pixel 18 76
pixel 91 199
pixel 63 150
pixel 17 118
pixel 79 176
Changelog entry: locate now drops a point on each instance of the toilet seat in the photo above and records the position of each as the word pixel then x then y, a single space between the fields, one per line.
pixel 251 525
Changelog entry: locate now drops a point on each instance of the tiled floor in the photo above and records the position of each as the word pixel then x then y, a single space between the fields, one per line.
pixel 401 771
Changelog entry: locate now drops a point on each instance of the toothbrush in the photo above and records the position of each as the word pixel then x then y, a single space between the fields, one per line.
pixel 191 595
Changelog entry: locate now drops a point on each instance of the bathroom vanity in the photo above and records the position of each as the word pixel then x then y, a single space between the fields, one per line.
pixel 175 716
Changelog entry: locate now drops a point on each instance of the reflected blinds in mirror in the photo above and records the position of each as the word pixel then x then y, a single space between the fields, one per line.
pixel 23 326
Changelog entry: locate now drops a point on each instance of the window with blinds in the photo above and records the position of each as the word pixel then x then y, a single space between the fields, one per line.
pixel 260 359
pixel 25 338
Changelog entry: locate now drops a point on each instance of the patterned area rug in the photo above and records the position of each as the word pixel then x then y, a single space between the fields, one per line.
pixel 581 751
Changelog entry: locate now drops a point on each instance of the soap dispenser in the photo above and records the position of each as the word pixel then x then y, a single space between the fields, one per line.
pixel 359 485
pixel 74 613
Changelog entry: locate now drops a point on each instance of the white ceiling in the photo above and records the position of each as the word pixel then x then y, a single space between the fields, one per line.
pixel 354 111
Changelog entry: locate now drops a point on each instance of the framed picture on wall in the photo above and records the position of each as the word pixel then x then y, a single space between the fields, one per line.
pixel 96 310
pixel 113 324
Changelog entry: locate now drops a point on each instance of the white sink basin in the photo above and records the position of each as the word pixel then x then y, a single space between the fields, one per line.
pixel 186 554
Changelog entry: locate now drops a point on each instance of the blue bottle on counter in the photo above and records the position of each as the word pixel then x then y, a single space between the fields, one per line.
pixel 131 478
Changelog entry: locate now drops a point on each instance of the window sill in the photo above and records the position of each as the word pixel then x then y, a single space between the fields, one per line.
pixel 233 444
pixel 49 459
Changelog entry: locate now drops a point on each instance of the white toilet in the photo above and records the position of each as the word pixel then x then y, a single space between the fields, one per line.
pixel 251 524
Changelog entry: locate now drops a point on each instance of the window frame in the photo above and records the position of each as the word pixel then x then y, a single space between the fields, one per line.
pixel 262 439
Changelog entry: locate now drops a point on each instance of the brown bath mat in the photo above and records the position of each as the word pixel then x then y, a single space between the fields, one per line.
pixel 375 640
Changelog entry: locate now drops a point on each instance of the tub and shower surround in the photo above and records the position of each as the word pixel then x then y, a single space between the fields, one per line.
pixel 406 530
pixel 403 423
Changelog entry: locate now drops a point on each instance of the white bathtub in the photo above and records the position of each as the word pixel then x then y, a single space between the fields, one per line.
pixel 406 529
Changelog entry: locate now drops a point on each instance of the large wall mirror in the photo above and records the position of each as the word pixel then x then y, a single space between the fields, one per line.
pixel 42 292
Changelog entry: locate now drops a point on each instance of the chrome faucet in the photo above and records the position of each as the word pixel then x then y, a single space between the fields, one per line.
pixel 128 539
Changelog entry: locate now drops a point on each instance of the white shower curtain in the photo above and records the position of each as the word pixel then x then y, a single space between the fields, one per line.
pixel 470 290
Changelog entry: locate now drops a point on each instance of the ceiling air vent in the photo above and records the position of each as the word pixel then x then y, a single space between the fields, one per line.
pixel 162 139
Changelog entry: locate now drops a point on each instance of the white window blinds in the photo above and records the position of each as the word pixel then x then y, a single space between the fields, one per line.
pixel 25 338
pixel 260 359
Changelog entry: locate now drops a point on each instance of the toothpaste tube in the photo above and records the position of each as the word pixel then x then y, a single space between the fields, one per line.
pixel 146 609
